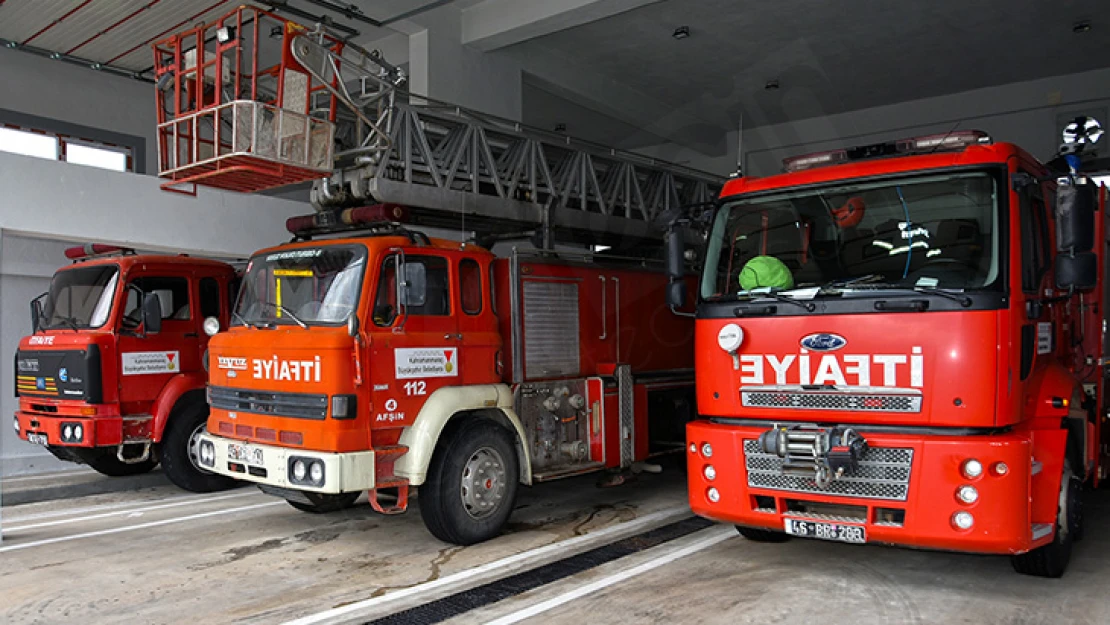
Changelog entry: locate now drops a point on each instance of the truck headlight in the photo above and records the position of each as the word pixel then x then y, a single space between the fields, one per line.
pixel 211 326
pixel 15 424
pixel 306 471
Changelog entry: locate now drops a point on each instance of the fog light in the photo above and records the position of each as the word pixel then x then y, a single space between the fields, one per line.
pixel 707 450
pixel 67 432
pixel 972 469
pixel 299 470
pixel 78 433
pixel 963 520
pixel 710 472
pixel 207 453
pixel 713 495
pixel 967 494
pixel 317 472
pixel 693 446
pixel 1000 468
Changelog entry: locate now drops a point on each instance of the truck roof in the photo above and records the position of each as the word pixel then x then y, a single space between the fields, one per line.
pixel 125 261
pixel 997 153
pixel 377 243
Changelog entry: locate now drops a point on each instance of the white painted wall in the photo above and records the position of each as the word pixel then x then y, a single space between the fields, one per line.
pixel 1022 113
pixel 69 93
pixel 25 268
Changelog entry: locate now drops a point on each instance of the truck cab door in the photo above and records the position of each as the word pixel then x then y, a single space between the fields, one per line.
pixel 148 361
pixel 415 341
pixel 478 334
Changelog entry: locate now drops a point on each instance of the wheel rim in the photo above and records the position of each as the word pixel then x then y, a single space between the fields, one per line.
pixel 483 483
pixel 193 448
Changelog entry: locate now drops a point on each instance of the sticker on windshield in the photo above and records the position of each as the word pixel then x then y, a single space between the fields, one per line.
pixel 294 254
pixel 145 363
pixel 426 362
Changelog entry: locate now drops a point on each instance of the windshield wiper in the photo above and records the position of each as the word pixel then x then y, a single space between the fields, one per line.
pixel 809 306
pixel 235 315
pixel 71 322
pixel 870 279
pixel 286 311
pixel 962 298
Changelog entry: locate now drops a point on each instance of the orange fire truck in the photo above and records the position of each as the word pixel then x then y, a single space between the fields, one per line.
pixel 384 359
pixel 930 376
pixel 113 374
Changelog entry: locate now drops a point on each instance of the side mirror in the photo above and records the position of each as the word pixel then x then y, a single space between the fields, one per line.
pixel 676 251
pixel 352 325
pixel 415 291
pixel 676 294
pixel 36 313
pixel 1077 272
pixel 152 314
pixel 1075 217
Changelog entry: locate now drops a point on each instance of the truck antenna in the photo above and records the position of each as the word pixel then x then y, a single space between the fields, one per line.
pixel 739 148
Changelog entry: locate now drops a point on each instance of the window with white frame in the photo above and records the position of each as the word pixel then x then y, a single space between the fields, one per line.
pixel 60 147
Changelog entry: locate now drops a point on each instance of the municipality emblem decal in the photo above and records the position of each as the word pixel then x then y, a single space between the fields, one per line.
pixel 63 374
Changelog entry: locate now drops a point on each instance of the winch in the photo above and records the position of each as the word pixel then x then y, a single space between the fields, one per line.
pixel 827 453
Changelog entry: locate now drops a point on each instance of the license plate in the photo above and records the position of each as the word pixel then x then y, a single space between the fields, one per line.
pixel 39 439
pixel 826 531
pixel 245 454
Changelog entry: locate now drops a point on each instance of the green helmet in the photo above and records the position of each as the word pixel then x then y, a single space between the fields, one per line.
pixel 765 271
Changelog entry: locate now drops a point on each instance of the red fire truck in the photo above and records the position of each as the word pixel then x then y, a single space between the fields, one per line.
pixel 933 375
pixel 113 374
pixel 384 359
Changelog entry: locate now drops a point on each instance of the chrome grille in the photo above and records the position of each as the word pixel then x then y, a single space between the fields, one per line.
pixel 297 405
pixel 831 400
pixel 883 473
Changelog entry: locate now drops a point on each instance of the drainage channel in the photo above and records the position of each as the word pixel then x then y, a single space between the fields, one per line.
pixel 499 590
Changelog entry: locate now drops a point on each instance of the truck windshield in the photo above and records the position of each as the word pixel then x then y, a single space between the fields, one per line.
pixel 310 286
pixel 937 231
pixel 80 297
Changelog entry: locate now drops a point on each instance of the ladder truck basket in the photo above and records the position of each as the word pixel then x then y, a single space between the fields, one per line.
pixel 236 110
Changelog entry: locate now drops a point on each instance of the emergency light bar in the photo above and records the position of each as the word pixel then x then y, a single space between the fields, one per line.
pixel 347 219
pixel 89 250
pixel 956 140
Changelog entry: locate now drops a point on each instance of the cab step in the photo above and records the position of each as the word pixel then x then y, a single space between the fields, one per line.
pixel 390 494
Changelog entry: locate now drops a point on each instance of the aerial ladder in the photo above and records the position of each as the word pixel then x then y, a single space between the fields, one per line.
pixel 252 101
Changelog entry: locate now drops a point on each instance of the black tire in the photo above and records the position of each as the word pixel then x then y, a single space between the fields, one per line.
pixel 322 503
pixel 104 461
pixel 762 535
pixel 467 452
pixel 1052 559
pixel 179 456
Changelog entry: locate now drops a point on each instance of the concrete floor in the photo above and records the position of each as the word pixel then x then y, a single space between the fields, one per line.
pixel 158 555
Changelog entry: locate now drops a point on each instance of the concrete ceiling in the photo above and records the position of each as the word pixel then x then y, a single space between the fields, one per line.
pixel 829 57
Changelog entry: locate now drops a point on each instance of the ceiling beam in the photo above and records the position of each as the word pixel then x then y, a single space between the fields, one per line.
pixel 496 24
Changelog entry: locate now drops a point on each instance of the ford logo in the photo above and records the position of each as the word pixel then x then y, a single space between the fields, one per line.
pixel 823 342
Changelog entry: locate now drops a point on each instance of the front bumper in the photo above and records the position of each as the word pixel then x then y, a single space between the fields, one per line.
pixel 96 431
pixel 343 472
pixel 924 518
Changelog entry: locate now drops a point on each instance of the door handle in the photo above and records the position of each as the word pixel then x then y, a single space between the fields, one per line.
pixel 448 337
pixel 191 335
pixel 604 328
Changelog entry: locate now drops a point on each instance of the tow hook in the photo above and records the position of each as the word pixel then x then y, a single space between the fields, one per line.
pixel 825 453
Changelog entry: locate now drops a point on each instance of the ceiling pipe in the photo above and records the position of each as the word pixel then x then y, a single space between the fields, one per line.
pixel 283 6
pixel 75 60
pixel 348 11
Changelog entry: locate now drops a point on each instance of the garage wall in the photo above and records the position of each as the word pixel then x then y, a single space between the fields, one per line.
pixel 70 94
pixel 1024 113
pixel 25 268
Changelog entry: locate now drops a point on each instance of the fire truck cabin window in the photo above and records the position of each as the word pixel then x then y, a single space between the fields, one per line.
pixel 470 286
pixel 310 286
pixel 80 298
pixel 925 231
pixel 209 298
pixel 172 294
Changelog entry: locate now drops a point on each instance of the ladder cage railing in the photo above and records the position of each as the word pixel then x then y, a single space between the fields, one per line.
pixel 252 101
